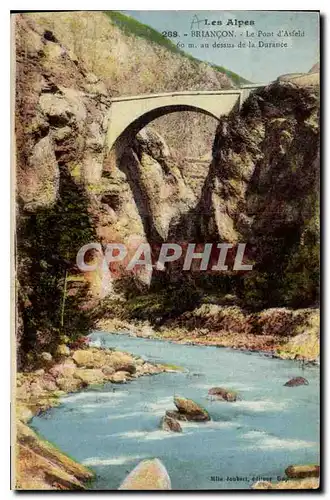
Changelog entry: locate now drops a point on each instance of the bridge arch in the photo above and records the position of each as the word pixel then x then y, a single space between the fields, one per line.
pixel 128 115
pixel 142 121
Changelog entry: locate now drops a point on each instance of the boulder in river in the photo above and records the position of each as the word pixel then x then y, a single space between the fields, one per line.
pixel 176 415
pixel 89 358
pixel 149 369
pixel 170 424
pixel 302 471
pixel 294 382
pixel 119 377
pixel 69 384
pixel 108 371
pixel 147 475
pixel 191 410
pixel 90 375
pixel 224 394
pixel 122 362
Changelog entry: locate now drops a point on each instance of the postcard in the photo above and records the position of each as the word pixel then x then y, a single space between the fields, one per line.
pixel 166 220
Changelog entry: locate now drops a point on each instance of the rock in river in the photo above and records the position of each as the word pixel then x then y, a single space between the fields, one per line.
pixel 176 415
pixel 147 475
pixel 221 393
pixel 170 424
pixel 89 358
pixel 296 381
pixel 191 410
pixel 69 384
pixel 90 375
pixel 119 377
pixel 122 362
pixel 302 471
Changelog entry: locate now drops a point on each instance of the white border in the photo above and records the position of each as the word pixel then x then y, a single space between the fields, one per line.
pixel 191 5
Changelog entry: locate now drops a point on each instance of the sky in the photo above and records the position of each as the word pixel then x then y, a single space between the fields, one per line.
pixel 258 64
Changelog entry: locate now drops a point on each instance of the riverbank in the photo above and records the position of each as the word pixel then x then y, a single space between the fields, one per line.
pixel 280 332
pixel 112 432
pixel 40 465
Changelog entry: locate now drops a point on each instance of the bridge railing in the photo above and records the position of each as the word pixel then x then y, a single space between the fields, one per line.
pixel 187 92
pixel 254 85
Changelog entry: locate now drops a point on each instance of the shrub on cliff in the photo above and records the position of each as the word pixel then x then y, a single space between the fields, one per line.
pixel 47 242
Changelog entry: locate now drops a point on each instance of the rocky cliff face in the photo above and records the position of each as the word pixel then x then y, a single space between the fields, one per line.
pixel 67 192
pixel 132 59
pixel 128 56
pixel 261 186
pixel 155 186
pixel 60 115
pixel 60 124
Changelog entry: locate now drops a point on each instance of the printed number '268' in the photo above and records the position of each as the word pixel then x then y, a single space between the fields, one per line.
pixel 170 34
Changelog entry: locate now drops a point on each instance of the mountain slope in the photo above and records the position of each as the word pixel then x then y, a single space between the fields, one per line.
pixel 129 56
pixel 133 27
pixel 264 169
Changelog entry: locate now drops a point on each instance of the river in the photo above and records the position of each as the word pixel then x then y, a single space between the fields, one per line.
pixel 112 427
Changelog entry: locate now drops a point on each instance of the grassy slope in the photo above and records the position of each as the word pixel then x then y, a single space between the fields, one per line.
pixel 131 26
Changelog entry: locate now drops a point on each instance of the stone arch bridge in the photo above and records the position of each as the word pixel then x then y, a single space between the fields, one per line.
pixel 128 115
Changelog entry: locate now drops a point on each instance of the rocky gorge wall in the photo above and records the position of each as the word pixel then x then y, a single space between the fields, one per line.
pixel 59 129
pixel 263 188
pixel 132 59
pixel 260 187
pixel 67 193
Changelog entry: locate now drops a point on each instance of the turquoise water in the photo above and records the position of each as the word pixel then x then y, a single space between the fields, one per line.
pixel 112 427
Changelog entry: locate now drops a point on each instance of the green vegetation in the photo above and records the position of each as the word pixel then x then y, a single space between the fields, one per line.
pixel 161 303
pixel 164 304
pixel 170 366
pixel 50 297
pixel 291 277
pixel 237 79
pixel 131 26
pixel 301 279
pixel 306 343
